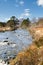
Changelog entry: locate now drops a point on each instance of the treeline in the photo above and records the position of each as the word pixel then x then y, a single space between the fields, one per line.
pixel 11 22
pixel 26 23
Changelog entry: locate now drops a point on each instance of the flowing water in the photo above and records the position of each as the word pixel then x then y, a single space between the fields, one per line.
pixel 11 42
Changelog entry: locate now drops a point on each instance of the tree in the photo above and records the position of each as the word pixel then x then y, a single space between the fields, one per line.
pixel 14 19
pixel 2 24
pixel 26 22
pixel 12 22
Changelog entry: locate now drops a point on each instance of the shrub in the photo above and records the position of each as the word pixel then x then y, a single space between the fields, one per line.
pixel 39 42
pixel 25 22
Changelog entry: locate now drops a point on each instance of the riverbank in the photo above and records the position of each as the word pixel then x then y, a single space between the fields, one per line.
pixel 36 32
pixel 12 42
pixel 8 28
pixel 33 55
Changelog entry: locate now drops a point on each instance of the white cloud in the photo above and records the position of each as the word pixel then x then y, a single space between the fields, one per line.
pixel 21 2
pixel 26 13
pixel 3 19
pixel 40 2
pixel 26 10
pixel 6 19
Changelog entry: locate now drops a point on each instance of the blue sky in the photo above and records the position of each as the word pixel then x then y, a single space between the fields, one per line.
pixel 20 9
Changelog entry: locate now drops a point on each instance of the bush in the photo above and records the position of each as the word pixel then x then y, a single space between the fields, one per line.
pixel 39 42
pixel 10 23
pixel 2 24
pixel 25 22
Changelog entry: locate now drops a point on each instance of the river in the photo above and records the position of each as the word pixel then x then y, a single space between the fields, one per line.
pixel 11 42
